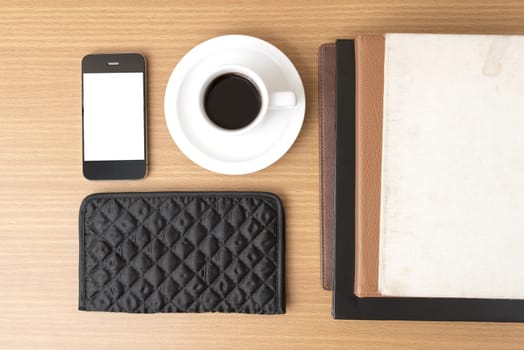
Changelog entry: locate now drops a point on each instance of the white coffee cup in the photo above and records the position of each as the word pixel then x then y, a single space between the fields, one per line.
pixel 269 99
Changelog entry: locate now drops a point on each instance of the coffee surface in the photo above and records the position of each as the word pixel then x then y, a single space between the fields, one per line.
pixel 232 101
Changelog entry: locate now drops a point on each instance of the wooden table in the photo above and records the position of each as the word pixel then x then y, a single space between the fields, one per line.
pixel 41 45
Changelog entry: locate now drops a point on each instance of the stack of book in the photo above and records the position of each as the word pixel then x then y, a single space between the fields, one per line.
pixel 422 153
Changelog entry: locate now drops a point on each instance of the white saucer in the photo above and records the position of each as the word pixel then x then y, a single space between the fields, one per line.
pixel 219 150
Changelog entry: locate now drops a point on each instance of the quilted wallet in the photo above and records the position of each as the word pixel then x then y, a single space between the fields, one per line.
pixel 182 252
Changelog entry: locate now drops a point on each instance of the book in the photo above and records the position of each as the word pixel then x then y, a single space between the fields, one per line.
pixel 427 173
pixel 452 193
pixel 326 117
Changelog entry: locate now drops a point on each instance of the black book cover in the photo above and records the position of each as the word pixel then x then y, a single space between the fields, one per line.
pixel 346 305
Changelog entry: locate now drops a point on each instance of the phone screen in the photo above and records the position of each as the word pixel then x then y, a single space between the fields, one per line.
pixel 113 120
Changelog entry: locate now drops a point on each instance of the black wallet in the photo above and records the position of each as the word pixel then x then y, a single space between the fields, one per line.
pixel 182 252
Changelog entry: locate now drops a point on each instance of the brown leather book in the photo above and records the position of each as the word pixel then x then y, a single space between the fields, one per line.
pixel 326 93
pixel 369 61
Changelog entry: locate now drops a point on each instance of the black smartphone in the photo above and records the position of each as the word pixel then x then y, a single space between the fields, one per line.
pixel 114 116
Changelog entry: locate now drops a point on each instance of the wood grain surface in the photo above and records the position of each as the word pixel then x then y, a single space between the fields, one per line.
pixel 41 184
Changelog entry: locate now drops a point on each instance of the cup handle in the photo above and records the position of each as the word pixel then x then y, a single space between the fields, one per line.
pixel 280 99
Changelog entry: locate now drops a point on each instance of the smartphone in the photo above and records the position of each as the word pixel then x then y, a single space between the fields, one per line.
pixel 114 132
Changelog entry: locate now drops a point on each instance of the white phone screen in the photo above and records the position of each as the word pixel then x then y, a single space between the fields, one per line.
pixel 113 116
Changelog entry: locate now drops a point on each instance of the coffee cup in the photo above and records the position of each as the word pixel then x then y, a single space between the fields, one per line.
pixel 235 99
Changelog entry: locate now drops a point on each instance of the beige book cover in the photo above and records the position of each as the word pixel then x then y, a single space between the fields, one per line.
pixel 452 191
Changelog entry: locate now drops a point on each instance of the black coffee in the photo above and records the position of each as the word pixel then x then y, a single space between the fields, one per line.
pixel 232 101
